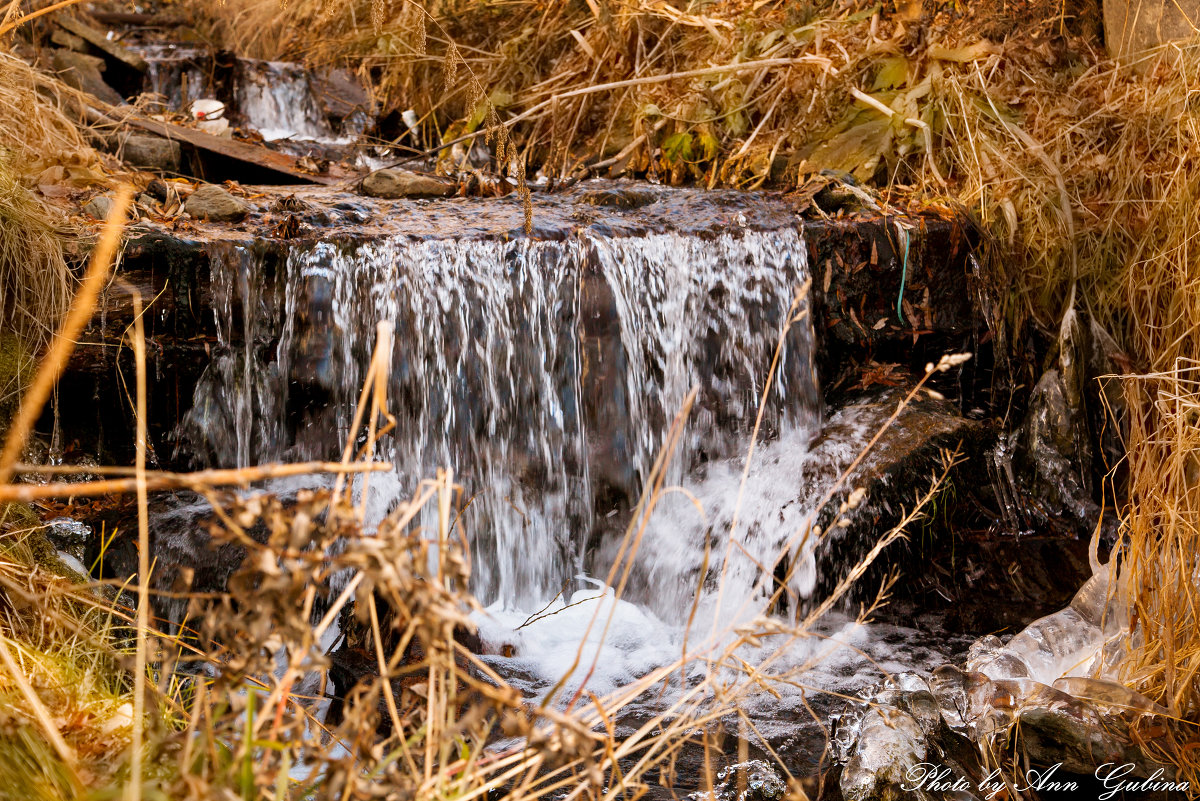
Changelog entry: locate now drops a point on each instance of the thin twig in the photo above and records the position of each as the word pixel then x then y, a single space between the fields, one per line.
pixel 11 26
pixel 199 479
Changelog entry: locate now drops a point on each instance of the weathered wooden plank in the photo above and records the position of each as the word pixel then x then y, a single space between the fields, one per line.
pixel 282 167
pixel 101 42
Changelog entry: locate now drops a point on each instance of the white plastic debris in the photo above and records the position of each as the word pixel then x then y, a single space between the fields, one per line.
pixel 207 108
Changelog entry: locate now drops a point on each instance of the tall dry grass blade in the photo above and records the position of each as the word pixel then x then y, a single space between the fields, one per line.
pixel 142 634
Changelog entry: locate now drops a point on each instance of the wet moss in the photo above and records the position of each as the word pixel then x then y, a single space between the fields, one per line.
pixel 24 539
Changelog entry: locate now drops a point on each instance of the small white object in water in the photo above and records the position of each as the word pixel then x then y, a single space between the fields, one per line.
pixel 410 122
pixel 218 127
pixel 207 108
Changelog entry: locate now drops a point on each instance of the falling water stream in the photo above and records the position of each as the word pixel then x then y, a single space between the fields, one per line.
pixel 547 373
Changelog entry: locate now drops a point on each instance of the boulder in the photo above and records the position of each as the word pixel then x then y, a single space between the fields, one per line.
pixel 339 93
pixel 151 152
pixel 1134 26
pixel 82 72
pixel 393 184
pixel 211 202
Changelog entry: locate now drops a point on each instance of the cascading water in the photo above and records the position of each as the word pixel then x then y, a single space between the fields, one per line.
pixel 545 373
pixel 174 73
pixel 278 100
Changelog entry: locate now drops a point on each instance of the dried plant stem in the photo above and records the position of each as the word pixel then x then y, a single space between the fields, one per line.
pixel 134 788
pixel 10 26
pixel 200 479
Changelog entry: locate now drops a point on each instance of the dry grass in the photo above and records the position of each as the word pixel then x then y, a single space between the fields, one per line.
pixel 62 637
pixel 35 136
pixel 34 130
pixel 35 282
pixel 1162 543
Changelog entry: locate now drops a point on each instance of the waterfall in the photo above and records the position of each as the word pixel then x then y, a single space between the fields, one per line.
pixel 278 100
pixel 174 72
pixel 546 373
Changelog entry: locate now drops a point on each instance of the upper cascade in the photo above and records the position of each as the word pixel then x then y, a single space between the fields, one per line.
pixel 546 373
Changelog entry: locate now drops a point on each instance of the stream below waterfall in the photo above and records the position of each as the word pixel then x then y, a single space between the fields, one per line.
pixel 547 373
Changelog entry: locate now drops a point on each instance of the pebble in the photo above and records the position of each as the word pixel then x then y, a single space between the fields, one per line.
pixel 211 202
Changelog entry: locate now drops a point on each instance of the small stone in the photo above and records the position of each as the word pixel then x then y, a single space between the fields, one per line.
pixel 151 152
pixel 211 202
pixel 158 189
pixel 621 198
pixel 98 207
pixel 393 184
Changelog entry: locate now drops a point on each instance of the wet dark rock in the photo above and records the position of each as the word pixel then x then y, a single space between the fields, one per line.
pixel 897 470
pixel 158 189
pixel 82 72
pixel 211 202
pixel 393 184
pixel 1054 736
pixel 967 581
pixel 620 198
pixel 1051 467
pixel 863 267
pixel 340 94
